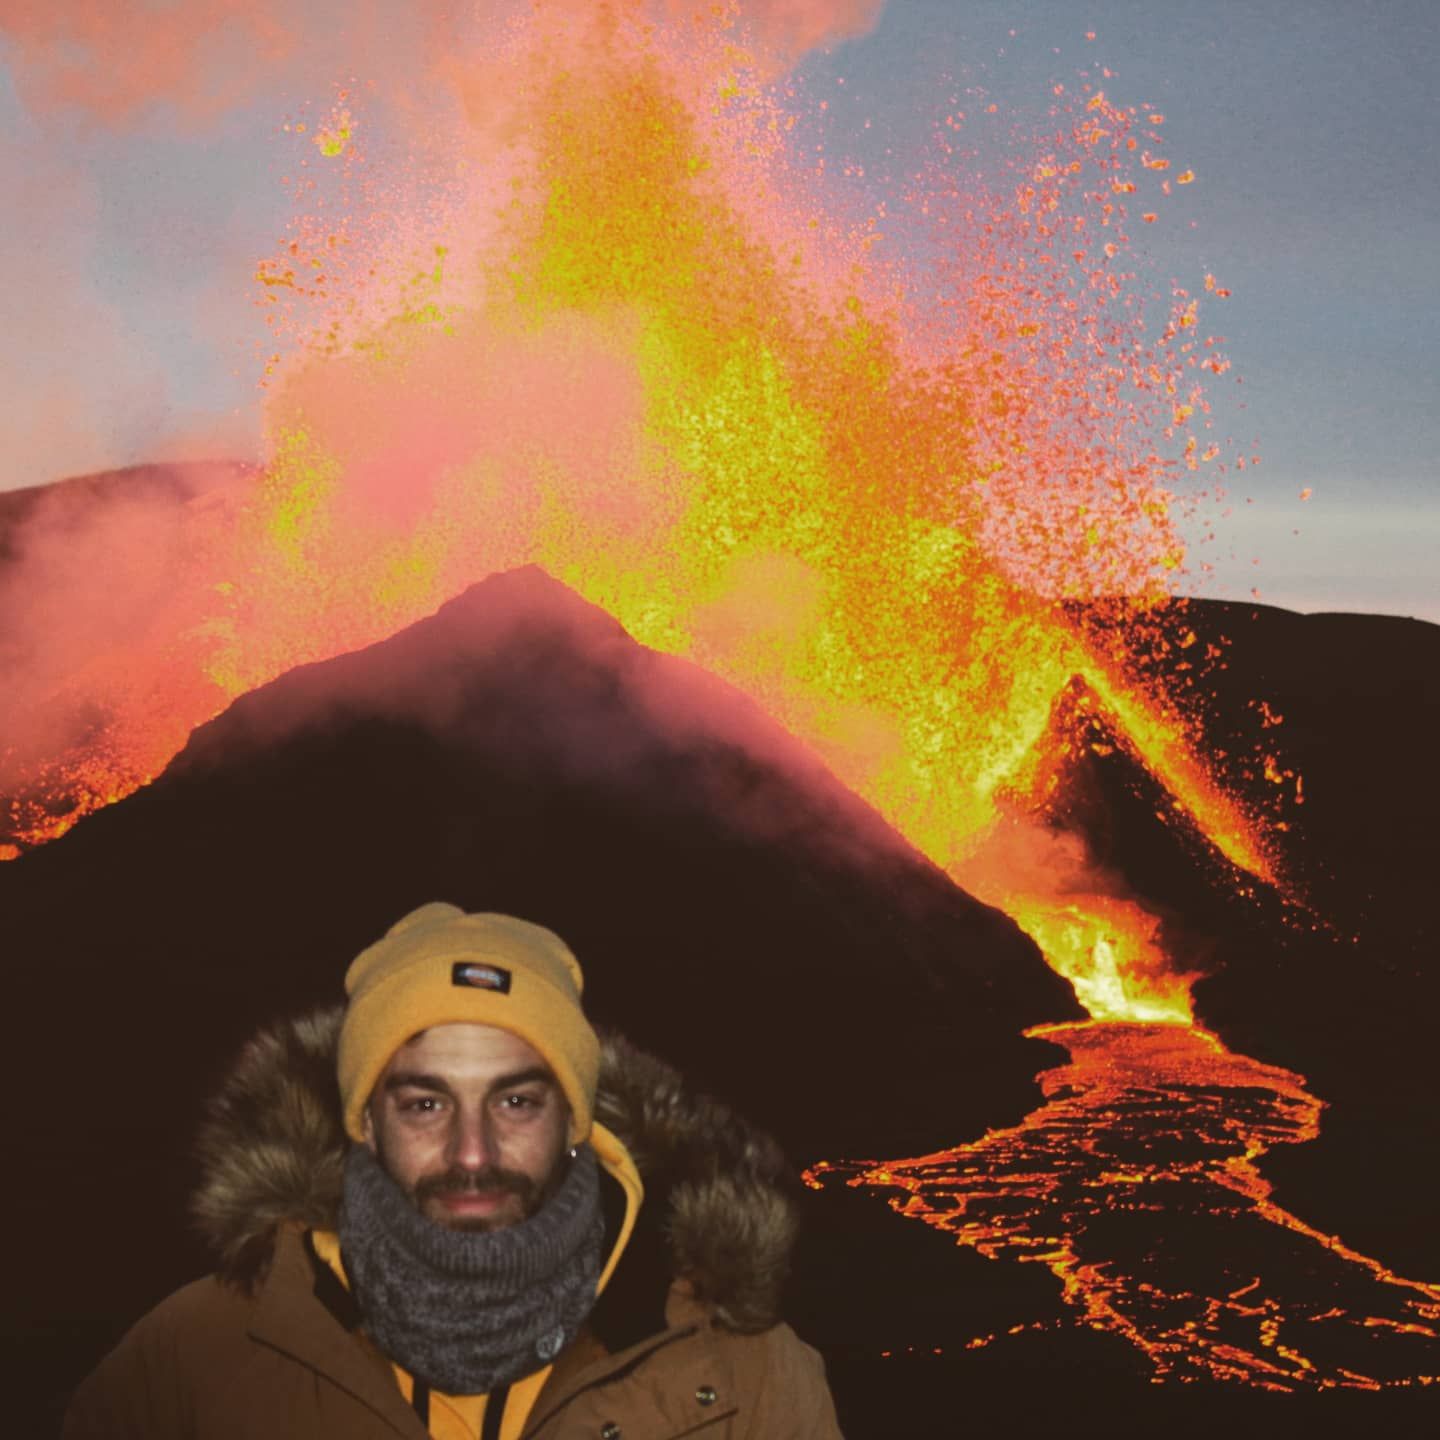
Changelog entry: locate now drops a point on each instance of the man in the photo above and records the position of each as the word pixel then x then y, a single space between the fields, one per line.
pixel 451 1240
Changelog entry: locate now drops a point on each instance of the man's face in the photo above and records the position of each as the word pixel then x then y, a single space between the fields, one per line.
pixel 471 1124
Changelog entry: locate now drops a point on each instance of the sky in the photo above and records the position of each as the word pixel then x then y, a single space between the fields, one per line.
pixel 142 192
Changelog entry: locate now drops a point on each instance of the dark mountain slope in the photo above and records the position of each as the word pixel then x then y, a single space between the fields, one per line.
pixel 737 911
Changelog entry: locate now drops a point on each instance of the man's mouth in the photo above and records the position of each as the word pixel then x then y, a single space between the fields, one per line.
pixel 480 1202
pixel 475 1197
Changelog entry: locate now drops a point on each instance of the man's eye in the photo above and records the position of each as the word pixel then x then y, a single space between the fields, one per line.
pixel 520 1102
pixel 423 1105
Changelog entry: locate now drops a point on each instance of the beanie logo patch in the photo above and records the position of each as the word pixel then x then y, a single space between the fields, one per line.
pixel 480 977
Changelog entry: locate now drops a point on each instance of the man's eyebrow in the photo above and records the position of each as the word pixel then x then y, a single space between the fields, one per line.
pixel 414 1080
pixel 523 1077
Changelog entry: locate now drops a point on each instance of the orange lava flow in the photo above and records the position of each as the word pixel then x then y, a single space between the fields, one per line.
pixel 646 355
pixel 1108 950
pixel 1136 1185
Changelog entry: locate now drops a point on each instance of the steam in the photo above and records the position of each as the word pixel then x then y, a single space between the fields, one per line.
pixel 203 59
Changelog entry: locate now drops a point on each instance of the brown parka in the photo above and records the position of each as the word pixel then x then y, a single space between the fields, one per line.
pixel 685 1339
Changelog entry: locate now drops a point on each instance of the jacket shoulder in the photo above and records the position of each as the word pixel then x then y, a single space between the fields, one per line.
pixel 217 1361
pixel 775 1381
pixel 782 1387
pixel 141 1388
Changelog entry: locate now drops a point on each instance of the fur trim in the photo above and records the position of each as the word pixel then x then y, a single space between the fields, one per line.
pixel 272 1146
pixel 272 1152
pixel 729 1224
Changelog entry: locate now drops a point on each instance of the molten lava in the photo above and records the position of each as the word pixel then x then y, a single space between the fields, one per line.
pixel 645 357
pixel 1107 949
pixel 1136 1186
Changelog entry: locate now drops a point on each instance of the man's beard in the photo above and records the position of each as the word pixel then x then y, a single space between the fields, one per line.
pixel 431 1297
pixel 488 1180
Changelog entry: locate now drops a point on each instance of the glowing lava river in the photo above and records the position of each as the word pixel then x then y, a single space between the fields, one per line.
pixel 1136 1184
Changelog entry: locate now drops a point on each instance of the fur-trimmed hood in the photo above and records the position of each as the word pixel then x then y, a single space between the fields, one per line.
pixel 272 1151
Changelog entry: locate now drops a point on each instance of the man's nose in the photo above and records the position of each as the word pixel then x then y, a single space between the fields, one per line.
pixel 471 1146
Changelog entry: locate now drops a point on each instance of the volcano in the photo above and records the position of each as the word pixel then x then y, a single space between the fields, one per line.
pixel 742 913
pixel 737 911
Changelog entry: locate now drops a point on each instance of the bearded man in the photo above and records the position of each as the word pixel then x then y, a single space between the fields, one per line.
pixel 432 1218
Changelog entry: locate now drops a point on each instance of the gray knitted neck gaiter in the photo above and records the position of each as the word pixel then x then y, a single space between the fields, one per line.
pixel 466 1311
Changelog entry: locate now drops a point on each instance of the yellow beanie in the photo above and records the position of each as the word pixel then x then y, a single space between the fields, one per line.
pixel 440 966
